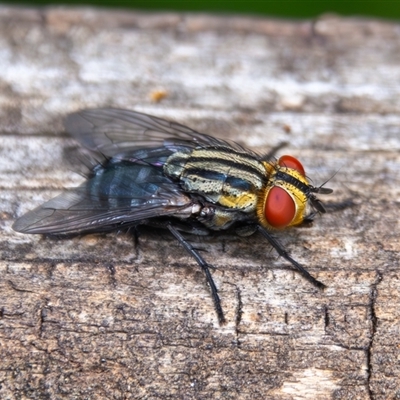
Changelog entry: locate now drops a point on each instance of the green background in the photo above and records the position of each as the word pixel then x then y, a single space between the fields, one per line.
pixel 281 8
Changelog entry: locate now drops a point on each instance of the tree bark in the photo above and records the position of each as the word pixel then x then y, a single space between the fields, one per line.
pixel 114 316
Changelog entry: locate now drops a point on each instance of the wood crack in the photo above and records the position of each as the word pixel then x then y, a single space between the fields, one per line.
pixel 374 321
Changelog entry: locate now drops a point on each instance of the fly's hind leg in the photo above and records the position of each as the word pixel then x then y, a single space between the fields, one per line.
pixel 204 266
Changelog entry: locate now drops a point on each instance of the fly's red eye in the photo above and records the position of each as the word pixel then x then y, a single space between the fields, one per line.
pixel 279 208
pixel 293 163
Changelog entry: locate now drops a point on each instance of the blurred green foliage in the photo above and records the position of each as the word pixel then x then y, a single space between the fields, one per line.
pixel 280 8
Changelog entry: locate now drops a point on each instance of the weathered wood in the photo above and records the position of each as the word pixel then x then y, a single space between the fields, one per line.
pixel 105 317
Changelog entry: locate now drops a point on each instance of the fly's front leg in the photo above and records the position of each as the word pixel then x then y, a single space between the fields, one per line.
pixel 271 154
pixel 204 266
pixel 283 253
pixel 339 206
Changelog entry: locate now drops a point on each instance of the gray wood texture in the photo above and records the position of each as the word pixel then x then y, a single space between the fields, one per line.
pixel 101 316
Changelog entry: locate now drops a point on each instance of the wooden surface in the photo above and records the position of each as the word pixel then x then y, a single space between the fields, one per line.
pixel 107 317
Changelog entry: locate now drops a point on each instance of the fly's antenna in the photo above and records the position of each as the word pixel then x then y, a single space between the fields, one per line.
pixel 315 202
pixel 321 189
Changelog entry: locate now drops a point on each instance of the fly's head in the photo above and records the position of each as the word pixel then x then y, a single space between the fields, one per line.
pixel 286 199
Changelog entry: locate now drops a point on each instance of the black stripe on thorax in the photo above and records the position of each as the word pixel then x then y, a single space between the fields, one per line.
pixel 209 175
pixel 205 174
pixel 230 163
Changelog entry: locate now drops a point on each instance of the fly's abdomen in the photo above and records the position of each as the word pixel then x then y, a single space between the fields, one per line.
pixel 221 175
pixel 125 185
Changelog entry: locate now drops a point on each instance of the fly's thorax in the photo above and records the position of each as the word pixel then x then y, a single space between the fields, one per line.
pixel 217 218
pixel 220 175
pixel 283 201
pixel 175 164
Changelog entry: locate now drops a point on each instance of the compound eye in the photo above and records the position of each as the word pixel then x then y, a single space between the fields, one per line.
pixel 279 208
pixel 293 163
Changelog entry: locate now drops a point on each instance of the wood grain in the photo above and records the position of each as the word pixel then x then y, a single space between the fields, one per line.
pixel 109 316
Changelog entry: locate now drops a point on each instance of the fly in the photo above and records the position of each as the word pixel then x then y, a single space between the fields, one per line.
pixel 159 173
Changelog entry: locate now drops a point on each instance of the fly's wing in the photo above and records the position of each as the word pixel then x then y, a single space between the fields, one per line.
pixel 118 195
pixel 112 131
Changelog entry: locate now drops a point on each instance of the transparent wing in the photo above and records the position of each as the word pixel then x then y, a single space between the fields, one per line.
pixel 112 131
pixel 119 195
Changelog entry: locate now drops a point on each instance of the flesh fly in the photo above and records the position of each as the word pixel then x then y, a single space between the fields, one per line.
pixel 149 171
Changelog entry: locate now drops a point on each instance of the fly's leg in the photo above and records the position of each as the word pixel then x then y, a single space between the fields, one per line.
pixel 283 253
pixel 204 266
pixel 271 154
pixel 339 206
